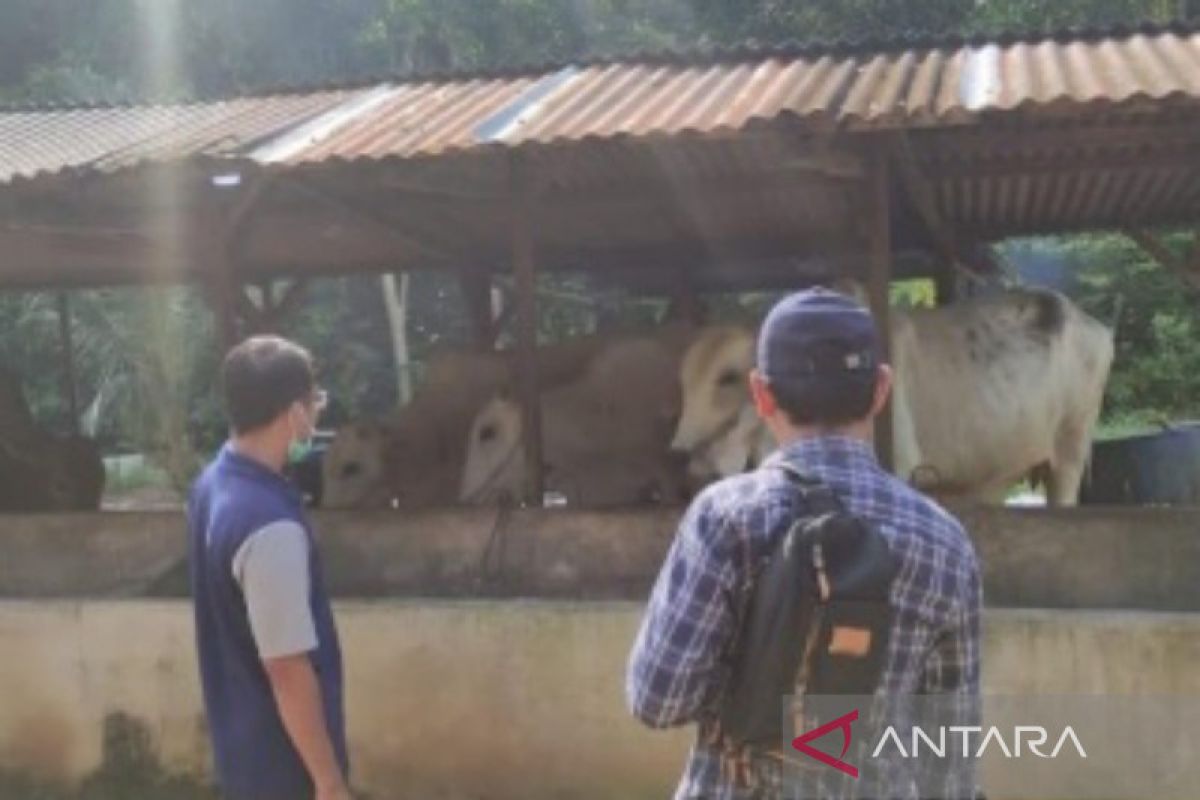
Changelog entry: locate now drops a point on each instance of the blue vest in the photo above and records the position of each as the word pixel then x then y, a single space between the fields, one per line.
pixel 234 497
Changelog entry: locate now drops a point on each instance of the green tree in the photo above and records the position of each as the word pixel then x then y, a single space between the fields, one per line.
pixel 1156 318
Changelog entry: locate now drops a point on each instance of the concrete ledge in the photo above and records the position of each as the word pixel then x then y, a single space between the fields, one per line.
pixel 516 700
pixel 1086 558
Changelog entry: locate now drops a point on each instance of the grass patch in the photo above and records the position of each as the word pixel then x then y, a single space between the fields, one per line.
pixel 124 474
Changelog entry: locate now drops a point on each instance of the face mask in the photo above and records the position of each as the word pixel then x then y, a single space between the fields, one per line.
pixel 299 447
pixel 298 450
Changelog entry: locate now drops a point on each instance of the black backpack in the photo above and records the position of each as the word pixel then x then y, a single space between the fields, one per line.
pixel 818 623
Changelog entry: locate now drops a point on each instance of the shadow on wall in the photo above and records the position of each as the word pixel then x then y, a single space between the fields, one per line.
pixel 130 769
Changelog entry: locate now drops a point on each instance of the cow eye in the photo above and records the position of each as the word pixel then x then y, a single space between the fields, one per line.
pixel 351 470
pixel 488 433
pixel 729 377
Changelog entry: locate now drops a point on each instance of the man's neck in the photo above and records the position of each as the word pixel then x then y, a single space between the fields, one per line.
pixel 790 434
pixel 260 449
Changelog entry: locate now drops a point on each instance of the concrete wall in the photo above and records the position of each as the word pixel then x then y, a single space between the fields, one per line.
pixel 1086 558
pixel 503 699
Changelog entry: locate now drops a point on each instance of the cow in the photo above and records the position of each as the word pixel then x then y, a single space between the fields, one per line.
pixel 409 459
pixel 986 391
pixel 414 457
pixel 605 436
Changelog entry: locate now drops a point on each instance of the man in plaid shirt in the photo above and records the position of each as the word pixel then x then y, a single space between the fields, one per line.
pixel 818 386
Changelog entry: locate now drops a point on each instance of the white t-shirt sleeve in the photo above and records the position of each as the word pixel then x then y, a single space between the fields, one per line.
pixel 272 568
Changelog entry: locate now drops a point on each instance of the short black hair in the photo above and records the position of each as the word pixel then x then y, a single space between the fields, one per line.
pixel 826 401
pixel 261 377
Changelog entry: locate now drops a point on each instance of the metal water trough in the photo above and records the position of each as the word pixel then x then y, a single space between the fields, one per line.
pixel 1160 468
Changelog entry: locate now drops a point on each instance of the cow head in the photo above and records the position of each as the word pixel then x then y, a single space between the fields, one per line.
pixel 495 461
pixel 718 427
pixel 352 471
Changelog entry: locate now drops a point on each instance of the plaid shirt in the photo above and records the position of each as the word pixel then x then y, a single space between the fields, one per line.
pixel 679 662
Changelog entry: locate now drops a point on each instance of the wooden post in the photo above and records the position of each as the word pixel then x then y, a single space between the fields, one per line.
pixel 68 361
pixel 477 294
pixel 879 266
pixel 229 225
pixel 946 284
pixel 224 301
pixel 684 303
pixel 525 273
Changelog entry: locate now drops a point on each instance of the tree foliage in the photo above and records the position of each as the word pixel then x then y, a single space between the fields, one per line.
pixel 1156 371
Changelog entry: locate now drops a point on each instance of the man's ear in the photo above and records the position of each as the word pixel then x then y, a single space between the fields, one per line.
pixel 764 400
pixel 883 389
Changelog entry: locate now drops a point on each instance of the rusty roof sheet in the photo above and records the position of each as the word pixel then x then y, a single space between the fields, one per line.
pixel 925 87
pixel 106 139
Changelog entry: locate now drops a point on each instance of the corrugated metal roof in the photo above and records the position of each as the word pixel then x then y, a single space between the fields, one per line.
pixel 107 139
pixel 913 88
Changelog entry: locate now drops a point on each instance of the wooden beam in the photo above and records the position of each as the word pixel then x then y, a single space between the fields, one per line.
pixel 375 219
pixel 1006 141
pixel 879 264
pixel 525 274
pixel 279 245
pixel 1068 164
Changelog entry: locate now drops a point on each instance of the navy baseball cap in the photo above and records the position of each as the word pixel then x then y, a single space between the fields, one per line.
pixel 818 333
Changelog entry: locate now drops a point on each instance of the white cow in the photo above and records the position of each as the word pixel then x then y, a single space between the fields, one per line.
pixel 986 391
pixel 605 436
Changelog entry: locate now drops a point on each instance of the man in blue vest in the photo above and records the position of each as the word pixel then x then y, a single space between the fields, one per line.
pixel 270 662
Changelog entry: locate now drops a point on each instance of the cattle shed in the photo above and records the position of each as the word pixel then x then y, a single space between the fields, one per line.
pixel 669 173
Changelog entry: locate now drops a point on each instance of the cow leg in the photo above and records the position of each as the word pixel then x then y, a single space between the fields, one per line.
pixel 1067 468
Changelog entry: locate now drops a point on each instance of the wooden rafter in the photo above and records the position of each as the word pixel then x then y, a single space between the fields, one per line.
pixel 924 200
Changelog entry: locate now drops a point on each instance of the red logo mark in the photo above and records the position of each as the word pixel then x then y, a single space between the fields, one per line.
pixel 801 743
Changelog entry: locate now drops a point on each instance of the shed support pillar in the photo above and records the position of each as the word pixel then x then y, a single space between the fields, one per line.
pixel 525 274
pixel 477 294
pixel 879 265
